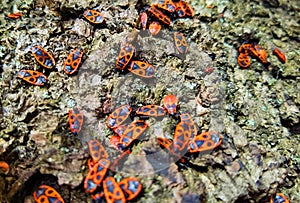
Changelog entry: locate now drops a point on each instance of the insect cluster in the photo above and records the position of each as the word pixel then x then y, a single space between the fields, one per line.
pixel 99 181
pixel 186 140
pixel 186 137
pixel 163 12
pixel 45 59
pixel 256 51
pixel 141 68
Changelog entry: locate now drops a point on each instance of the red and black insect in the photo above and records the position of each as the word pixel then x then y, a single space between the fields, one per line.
pixel 47 194
pixel 247 50
pixel 182 136
pixel 185 117
pixel 75 120
pixel 120 129
pixel 43 57
pixel 170 102
pixel 260 54
pixel 183 9
pixel 180 43
pixel 112 191
pixel 93 16
pixel 151 110
pixel 118 116
pixel 97 151
pixel 131 187
pixel 125 55
pixel 179 146
pixel 280 55
pixel 142 69
pixel 153 11
pixel 206 141
pixel 279 198
pixel 132 132
pixel 33 77
pixel 244 60
pixel 162 12
pixel 72 62
pixel 95 176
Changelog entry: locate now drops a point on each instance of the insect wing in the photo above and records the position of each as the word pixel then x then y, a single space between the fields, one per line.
pixel 189 11
pixel 72 62
pixel 47 194
pixel 188 119
pixel 131 187
pixel 33 77
pixel 170 102
pixel 125 55
pixel 118 116
pixel 166 5
pixel 120 129
pixel 142 69
pixel 184 9
pixel 95 176
pixel 159 15
pixel 180 43
pixel 119 161
pixel 179 9
pixel 280 55
pixel 205 142
pixel 97 151
pixel 93 16
pixel 75 120
pixel 182 137
pixel 151 110
pixel 112 191
pixel 43 57
pixel 279 198
pixel 132 132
